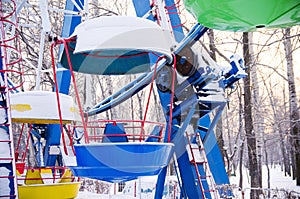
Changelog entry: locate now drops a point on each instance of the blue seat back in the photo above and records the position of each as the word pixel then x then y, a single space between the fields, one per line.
pixel 114 133
pixel 155 132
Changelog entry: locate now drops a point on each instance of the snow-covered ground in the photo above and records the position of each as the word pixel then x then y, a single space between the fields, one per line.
pixel 277 179
pixel 280 186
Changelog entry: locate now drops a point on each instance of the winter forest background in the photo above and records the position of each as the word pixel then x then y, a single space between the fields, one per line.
pixel 261 123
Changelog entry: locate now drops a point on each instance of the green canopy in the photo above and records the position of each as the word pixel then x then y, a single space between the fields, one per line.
pixel 245 15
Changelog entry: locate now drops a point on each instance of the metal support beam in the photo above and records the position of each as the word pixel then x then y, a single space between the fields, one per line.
pixel 53 132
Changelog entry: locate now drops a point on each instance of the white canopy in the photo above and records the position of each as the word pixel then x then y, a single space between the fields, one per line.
pixel 121 33
pixel 40 107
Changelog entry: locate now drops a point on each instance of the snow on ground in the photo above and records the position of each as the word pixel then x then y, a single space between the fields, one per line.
pixel 89 195
pixel 277 179
pixel 279 182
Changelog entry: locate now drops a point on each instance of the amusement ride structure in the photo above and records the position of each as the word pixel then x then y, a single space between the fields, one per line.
pixel 153 44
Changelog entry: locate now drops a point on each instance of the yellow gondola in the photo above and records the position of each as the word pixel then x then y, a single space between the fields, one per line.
pixel 34 186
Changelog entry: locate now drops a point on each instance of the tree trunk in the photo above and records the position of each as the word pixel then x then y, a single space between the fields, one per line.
pixel 109 85
pixel 103 94
pixel 140 103
pixel 286 146
pixel 284 153
pixel 258 118
pixel 294 113
pixel 267 164
pixel 87 92
pixel 212 46
pixel 250 135
pixel 231 163
pixel 242 140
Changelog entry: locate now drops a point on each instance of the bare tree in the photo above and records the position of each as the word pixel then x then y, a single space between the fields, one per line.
pixel 258 119
pixel 241 137
pixel 294 112
pixel 250 134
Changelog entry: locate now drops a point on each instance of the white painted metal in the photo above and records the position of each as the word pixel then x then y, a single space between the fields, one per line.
pixel 41 106
pixel 46 25
pixel 121 33
pixel 165 21
pixel 46 29
pixel 40 62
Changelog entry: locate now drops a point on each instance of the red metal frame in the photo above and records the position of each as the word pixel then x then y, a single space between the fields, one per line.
pixel 96 128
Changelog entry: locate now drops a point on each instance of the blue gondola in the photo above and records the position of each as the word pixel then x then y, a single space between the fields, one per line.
pixel 121 151
pixel 117 162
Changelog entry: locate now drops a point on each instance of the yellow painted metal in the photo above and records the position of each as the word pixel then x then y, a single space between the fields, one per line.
pixel 35 187
pixel 20 107
pixel 33 177
pixel 39 121
pixel 66 190
pixel 66 177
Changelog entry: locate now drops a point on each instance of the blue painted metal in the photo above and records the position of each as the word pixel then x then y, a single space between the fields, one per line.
pixel 12 87
pixel 108 62
pixel 142 81
pixel 53 133
pixel 117 162
pixel 196 78
pixel 69 24
pixel 142 7
pixel 213 154
pixel 7 167
pixel 37 146
pixel 52 136
pixel 10 191
pixel 187 171
pixel 114 132
pixel 175 20
pixel 155 133
pixel 237 71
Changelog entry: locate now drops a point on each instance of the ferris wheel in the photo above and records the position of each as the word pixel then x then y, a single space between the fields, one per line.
pixel 69 144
